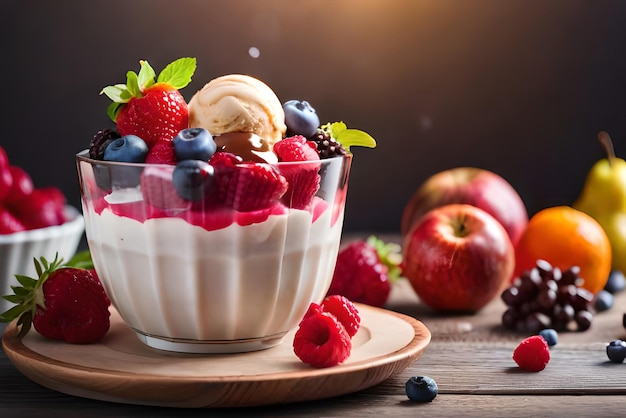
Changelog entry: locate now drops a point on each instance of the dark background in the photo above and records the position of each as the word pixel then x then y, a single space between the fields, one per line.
pixel 517 87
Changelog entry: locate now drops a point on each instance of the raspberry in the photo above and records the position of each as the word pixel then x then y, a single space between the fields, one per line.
pixel 532 354
pixel 321 341
pixel 303 179
pixel 345 312
pixel 162 152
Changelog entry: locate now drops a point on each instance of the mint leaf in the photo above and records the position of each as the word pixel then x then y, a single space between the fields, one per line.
pixel 146 76
pixel 178 73
pixel 351 137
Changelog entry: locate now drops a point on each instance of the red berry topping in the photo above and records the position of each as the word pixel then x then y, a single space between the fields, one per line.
pixel 162 152
pixel 532 354
pixel 363 271
pixel 322 341
pixel 158 190
pixel 303 179
pixel 345 311
pixel 64 303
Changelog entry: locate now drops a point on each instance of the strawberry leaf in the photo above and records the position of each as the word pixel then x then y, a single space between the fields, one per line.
pixel 81 260
pixel 118 93
pixel 178 73
pixel 25 281
pixel 146 76
pixel 113 110
pixel 132 84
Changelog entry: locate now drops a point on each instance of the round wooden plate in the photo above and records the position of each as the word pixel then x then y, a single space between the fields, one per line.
pixel 122 369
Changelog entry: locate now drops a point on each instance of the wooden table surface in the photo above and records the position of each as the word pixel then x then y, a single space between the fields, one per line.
pixel 469 357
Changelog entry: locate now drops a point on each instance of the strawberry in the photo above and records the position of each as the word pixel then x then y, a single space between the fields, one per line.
pixel 41 208
pixel 151 107
pixel 364 271
pixel 303 179
pixel 532 354
pixel 9 222
pixel 66 302
pixel 322 341
pixel 22 184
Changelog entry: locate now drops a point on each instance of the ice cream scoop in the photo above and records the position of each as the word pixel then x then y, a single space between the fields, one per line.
pixel 238 103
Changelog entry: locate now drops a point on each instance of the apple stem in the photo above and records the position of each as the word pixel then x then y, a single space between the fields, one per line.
pixel 607 144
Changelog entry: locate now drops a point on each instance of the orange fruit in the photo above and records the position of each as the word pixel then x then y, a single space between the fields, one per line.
pixel 566 237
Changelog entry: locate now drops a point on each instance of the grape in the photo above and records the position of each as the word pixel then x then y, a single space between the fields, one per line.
pixel 546 297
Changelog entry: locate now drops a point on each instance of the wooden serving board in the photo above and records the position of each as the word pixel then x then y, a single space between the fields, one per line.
pixel 122 369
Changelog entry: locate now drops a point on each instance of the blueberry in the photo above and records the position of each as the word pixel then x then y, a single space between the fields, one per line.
pixel 300 118
pixel 127 149
pixel 550 335
pixel 191 178
pixel 616 351
pixel 604 301
pixel 616 282
pixel 194 144
pixel 421 389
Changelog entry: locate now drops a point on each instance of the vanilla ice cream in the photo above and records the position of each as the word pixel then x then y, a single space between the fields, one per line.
pixel 238 103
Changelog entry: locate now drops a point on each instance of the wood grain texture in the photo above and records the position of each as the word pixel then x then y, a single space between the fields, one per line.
pixel 122 369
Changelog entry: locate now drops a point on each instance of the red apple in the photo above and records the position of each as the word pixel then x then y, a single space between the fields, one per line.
pixel 457 258
pixel 473 186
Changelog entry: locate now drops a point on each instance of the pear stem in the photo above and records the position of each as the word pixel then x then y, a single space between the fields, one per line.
pixel 607 144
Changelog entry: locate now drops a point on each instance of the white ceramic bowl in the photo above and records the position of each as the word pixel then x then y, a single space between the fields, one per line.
pixel 184 286
pixel 18 250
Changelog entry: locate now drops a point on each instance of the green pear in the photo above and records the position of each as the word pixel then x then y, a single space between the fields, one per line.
pixel 603 197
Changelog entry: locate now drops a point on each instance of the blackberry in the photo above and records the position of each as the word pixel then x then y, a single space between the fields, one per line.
pixel 100 141
pixel 545 297
pixel 327 146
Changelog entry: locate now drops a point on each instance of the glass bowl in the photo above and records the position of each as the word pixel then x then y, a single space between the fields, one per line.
pixel 198 275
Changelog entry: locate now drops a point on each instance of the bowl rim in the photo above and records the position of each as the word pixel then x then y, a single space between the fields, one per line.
pixel 74 225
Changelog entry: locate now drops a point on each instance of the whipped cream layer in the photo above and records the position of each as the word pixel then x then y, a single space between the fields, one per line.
pixel 170 278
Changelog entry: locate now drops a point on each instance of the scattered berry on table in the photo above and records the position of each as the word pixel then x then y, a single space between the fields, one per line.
pixel 300 118
pixel 194 144
pixel 532 354
pixel 603 301
pixel 616 282
pixel 616 351
pixel 546 297
pixel 322 341
pixel 64 303
pixel 421 389
pixel 550 335
pixel 344 310
pixel 365 270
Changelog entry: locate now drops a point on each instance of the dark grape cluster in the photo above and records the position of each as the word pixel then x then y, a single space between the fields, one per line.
pixel 327 146
pixel 546 297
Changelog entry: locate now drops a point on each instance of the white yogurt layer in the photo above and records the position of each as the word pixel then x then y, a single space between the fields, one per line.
pixel 171 279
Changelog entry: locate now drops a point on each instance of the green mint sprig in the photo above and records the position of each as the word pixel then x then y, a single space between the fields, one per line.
pixel 349 137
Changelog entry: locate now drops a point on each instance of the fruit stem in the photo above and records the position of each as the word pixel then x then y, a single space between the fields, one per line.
pixel 607 144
